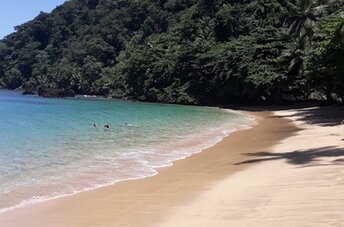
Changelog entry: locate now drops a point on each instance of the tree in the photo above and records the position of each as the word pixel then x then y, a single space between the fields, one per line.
pixel 180 51
pixel 325 65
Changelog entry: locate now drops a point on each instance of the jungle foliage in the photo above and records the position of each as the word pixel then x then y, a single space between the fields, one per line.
pixel 182 51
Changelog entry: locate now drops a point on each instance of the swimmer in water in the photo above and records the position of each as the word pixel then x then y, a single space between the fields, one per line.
pixel 106 126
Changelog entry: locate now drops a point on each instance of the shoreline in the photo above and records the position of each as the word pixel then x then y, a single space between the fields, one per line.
pixel 298 182
pixel 195 183
pixel 215 139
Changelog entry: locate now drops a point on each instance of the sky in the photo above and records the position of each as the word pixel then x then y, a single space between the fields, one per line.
pixel 16 12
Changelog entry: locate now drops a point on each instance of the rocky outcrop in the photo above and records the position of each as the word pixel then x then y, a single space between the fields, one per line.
pixel 29 91
pixel 48 92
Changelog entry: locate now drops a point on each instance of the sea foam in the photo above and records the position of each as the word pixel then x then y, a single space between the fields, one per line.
pixel 50 148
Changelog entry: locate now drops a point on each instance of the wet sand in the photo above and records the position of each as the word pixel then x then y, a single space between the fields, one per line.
pixel 158 200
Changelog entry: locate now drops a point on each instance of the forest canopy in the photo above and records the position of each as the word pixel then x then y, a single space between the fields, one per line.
pixel 182 51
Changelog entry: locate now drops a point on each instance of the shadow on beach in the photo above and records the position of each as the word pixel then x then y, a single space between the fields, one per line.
pixel 303 158
pixel 323 116
pixel 313 114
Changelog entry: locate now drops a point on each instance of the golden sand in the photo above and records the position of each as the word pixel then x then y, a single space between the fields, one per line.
pixel 297 182
pixel 155 200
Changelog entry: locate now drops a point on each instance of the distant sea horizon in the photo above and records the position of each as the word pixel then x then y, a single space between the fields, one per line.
pixel 50 148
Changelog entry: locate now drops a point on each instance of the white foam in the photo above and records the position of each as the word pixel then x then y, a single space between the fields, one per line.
pixel 150 168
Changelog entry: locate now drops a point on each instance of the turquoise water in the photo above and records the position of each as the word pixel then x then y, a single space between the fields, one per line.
pixel 50 148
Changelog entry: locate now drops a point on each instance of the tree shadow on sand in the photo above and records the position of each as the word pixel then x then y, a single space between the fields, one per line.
pixel 302 158
pixel 324 116
pixel 330 115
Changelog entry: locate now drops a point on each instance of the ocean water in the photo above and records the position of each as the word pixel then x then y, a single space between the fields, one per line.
pixel 49 148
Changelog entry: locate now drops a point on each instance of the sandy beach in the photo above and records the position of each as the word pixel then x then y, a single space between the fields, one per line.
pixel 299 182
pixel 285 171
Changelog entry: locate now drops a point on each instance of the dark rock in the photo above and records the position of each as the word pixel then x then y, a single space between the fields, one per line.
pixel 29 91
pixel 129 98
pixel 142 98
pixel 68 93
pixel 116 96
pixel 48 92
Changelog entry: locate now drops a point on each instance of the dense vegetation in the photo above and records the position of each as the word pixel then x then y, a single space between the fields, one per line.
pixel 182 51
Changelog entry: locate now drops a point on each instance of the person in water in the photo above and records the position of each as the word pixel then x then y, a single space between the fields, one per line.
pixel 106 126
pixel 95 125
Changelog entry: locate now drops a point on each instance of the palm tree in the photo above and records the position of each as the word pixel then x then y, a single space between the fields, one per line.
pixel 306 13
pixel 294 57
pixel 341 33
pixel 205 33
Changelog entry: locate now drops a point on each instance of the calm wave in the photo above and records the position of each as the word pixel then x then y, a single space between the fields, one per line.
pixel 50 148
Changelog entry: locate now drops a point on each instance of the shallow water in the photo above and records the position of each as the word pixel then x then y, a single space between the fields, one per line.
pixel 50 148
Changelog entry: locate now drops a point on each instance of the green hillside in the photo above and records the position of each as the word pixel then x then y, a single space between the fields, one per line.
pixel 182 51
